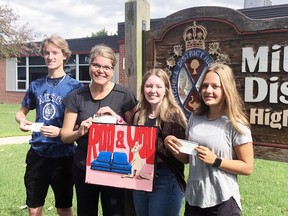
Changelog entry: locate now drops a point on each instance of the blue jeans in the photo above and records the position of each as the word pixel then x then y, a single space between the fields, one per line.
pixel 165 199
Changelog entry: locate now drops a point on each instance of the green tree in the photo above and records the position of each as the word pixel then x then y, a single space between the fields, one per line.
pixel 101 33
pixel 15 39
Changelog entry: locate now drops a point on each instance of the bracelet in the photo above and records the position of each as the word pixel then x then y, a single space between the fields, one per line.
pixel 119 121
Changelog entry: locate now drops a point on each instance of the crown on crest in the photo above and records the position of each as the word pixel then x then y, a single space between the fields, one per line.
pixel 194 36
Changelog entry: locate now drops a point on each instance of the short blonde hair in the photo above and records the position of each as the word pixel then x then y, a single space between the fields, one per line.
pixel 59 42
pixel 104 51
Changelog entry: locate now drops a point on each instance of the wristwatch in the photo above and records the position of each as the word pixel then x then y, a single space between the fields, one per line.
pixel 217 162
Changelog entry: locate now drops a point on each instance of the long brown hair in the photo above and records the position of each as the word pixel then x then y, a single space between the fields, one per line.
pixel 170 111
pixel 233 103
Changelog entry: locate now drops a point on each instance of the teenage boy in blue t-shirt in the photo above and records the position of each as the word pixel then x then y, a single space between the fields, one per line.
pixel 49 161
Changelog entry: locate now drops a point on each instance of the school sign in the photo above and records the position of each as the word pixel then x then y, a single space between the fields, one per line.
pixel 257 50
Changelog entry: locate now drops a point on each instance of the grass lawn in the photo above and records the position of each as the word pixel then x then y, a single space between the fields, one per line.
pixel 8 125
pixel 263 193
pixel 12 159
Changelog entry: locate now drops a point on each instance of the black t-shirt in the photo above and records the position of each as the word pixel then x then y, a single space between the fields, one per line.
pixel 80 101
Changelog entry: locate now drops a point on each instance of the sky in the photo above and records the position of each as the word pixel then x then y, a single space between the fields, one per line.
pixel 79 18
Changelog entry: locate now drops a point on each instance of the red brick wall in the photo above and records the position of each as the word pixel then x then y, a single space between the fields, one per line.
pixel 121 66
pixel 12 97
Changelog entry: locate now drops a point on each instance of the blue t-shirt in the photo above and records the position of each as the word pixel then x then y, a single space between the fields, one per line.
pixel 46 95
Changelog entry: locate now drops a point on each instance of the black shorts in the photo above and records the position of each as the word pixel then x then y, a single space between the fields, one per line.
pixel 43 172
pixel 227 208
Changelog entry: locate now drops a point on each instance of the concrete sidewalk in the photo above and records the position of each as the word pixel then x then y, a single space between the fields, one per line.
pixel 15 140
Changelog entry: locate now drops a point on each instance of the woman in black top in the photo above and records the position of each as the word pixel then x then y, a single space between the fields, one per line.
pixel 100 97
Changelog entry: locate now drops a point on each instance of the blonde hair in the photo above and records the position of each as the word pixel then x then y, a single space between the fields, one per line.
pixel 170 111
pixel 233 103
pixel 59 42
pixel 104 51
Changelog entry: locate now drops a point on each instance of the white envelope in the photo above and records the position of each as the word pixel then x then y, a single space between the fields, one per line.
pixel 188 147
pixel 35 127
pixel 105 119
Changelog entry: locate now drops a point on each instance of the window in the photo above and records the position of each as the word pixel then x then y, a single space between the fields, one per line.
pixel 21 74
pixel 34 67
pixel 84 76
pixel 36 60
pixel 29 69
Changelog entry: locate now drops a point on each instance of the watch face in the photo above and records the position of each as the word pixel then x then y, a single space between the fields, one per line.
pixel 217 162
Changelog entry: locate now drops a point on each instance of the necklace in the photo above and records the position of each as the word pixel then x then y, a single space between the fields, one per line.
pixel 53 83
pixel 153 116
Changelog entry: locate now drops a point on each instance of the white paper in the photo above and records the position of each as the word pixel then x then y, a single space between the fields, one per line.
pixel 105 119
pixel 188 147
pixel 35 127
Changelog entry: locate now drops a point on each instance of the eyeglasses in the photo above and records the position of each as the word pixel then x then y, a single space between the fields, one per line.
pixel 105 68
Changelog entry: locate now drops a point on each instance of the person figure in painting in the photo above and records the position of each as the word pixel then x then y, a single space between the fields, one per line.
pixel 158 107
pixel 100 97
pixel 49 160
pixel 225 147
